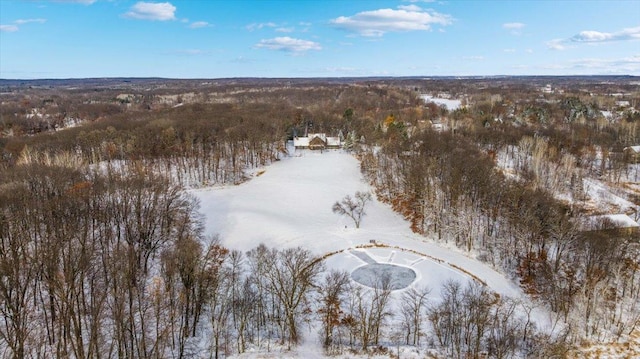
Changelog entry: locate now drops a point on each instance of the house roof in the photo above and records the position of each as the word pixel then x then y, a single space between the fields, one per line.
pixel 635 149
pixel 322 136
pixel 333 141
pixel 317 141
pixel 301 141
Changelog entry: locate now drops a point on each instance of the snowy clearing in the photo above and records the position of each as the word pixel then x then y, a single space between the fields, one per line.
pixel 289 205
pixel 451 105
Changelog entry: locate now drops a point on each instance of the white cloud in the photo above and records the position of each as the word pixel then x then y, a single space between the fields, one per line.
pixel 199 24
pixel 474 58
pixel 598 66
pixel 379 22
pixel 553 67
pixel 276 27
pixel 305 26
pixel 8 28
pixel 344 71
pixel 597 36
pixel 591 36
pixel 627 65
pixel 509 50
pixel 26 21
pixel 288 44
pixel 513 25
pixel 14 28
pixel 557 44
pixel 152 11
pixel 260 26
pixel 411 7
pixel 242 60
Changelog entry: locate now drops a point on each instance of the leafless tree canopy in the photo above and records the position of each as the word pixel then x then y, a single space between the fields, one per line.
pixel 354 207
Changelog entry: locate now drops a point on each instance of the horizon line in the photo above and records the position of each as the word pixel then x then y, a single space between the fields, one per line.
pixel 303 78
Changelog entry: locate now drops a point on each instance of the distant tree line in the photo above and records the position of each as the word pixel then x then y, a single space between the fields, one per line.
pixel 103 254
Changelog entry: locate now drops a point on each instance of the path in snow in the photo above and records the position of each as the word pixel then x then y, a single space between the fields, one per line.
pixel 363 256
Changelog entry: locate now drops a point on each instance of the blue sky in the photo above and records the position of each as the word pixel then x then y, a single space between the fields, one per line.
pixel 314 38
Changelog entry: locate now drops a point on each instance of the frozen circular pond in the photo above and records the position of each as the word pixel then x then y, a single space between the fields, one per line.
pixel 405 268
pixel 372 274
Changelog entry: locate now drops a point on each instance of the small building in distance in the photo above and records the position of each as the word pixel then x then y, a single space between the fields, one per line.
pixel 317 141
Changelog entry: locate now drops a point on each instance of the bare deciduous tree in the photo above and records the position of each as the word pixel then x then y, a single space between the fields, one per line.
pixel 332 290
pixel 412 308
pixel 353 207
pixel 291 275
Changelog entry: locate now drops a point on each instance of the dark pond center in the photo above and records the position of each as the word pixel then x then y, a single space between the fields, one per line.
pixel 374 274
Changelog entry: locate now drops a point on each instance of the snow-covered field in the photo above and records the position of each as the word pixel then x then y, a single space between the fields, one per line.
pixel 451 105
pixel 289 205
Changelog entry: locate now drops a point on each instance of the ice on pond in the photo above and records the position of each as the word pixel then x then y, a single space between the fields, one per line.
pixel 373 274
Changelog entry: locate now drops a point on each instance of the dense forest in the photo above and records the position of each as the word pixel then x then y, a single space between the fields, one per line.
pixel 103 252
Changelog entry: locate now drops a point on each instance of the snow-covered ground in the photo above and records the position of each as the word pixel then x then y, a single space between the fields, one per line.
pixel 290 204
pixel 603 197
pixel 429 272
pixel 451 105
